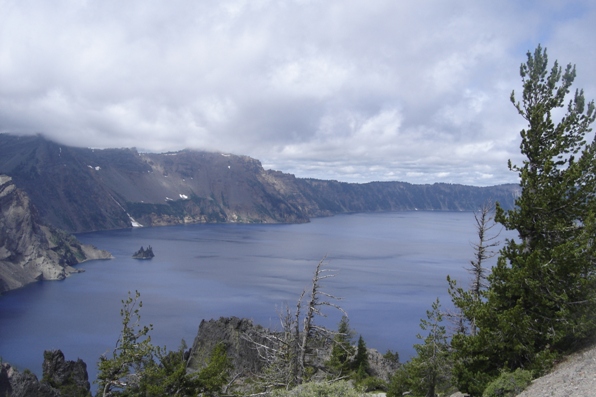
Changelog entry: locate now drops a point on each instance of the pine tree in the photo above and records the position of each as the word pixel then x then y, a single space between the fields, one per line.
pixel 430 371
pixel 137 368
pixel 214 377
pixel 544 281
pixel 361 364
pixel 542 292
pixel 342 351
pixel 123 373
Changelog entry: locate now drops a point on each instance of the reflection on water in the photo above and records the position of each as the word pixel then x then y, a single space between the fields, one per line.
pixel 390 267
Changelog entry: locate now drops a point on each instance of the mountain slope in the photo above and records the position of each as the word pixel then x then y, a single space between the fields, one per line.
pixel 572 377
pixel 29 250
pixel 79 189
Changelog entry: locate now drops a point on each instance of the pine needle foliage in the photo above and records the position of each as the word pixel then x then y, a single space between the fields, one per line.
pixel 541 295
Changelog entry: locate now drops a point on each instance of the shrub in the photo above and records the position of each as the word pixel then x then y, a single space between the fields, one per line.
pixel 371 383
pixel 319 389
pixel 508 384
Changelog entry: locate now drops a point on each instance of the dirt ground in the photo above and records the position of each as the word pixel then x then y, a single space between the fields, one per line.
pixel 574 377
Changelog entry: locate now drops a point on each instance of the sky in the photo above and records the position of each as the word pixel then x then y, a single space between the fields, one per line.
pixel 355 91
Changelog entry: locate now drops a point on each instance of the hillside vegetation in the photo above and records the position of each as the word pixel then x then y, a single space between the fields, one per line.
pixel 538 302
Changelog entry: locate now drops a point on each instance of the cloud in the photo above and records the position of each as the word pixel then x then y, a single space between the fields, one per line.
pixel 348 90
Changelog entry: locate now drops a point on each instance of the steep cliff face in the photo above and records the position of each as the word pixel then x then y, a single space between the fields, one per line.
pixel 235 333
pixel 332 197
pixel 79 189
pixel 29 250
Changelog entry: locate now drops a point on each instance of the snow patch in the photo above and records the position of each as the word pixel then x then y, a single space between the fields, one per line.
pixel 183 196
pixel 225 155
pixel 133 222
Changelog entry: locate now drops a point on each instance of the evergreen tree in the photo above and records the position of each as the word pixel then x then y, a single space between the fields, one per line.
pixel 430 371
pixel 123 373
pixel 342 351
pixel 169 377
pixel 214 377
pixel 137 368
pixel 361 364
pixel 542 292
pixel 544 282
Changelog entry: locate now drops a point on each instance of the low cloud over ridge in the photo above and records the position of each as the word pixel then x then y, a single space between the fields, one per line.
pixel 348 90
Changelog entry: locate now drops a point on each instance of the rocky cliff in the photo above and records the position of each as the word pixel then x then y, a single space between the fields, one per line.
pixel 79 189
pixel 61 378
pixel 241 338
pixel 235 333
pixel 30 250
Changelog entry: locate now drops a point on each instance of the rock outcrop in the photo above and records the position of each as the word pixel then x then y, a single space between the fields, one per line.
pixel 380 366
pixel 31 251
pixel 241 337
pixel 235 333
pixel 16 384
pixel 143 253
pixel 61 378
pixel 77 189
pixel 69 377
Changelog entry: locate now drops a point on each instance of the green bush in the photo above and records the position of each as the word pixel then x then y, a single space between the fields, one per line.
pixel 400 382
pixel 319 389
pixel 371 383
pixel 508 384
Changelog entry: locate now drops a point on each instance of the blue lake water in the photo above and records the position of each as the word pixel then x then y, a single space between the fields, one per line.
pixel 389 269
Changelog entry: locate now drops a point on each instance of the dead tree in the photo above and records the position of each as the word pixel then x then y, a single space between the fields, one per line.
pixel 288 354
pixel 484 249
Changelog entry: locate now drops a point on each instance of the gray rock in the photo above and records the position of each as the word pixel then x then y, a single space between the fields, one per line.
pixel 70 377
pixel 61 378
pixel 16 384
pixel 31 251
pixel 232 331
pixel 380 366
pixel 239 335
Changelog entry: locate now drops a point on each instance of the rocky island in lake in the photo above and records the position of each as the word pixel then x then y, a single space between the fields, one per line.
pixel 144 253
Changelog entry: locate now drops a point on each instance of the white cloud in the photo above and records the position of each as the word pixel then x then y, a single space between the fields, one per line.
pixel 346 90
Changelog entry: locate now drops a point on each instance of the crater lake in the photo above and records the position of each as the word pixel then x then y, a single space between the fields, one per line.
pixel 389 268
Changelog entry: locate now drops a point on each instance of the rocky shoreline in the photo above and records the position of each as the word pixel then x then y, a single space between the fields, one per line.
pixel 30 250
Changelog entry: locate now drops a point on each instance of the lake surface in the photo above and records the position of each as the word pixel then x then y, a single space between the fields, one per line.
pixel 389 269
